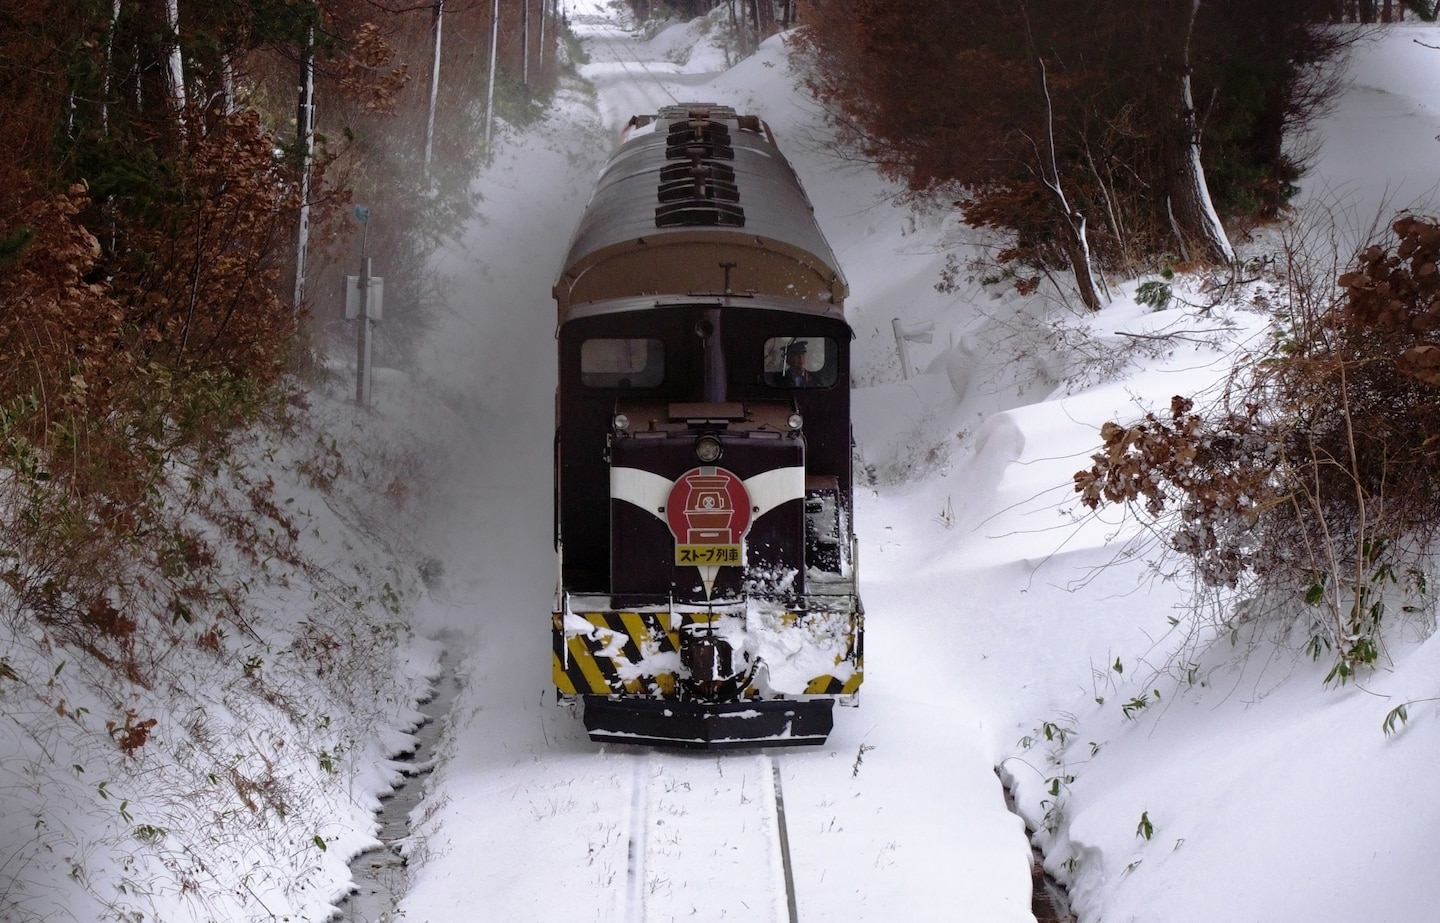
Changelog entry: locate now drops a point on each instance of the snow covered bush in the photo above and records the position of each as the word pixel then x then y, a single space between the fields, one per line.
pixel 1316 476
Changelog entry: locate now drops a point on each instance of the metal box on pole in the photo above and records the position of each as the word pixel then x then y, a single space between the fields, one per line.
pixel 374 298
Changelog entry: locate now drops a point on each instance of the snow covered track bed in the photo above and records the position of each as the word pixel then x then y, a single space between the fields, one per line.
pixel 632 76
pixel 898 816
pixel 611 45
pixel 682 847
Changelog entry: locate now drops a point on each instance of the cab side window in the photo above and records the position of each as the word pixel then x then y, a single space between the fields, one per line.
pixel 615 362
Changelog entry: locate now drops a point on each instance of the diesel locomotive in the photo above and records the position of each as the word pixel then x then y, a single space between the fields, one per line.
pixel 707 591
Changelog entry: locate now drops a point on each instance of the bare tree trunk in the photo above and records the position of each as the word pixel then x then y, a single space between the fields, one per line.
pixel 490 92
pixel 175 68
pixel 1077 250
pixel 109 65
pixel 765 17
pixel 227 84
pixel 434 82
pixel 1077 242
pixel 305 141
pixel 1194 220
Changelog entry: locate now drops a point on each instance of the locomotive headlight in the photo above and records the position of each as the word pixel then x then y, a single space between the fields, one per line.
pixel 621 422
pixel 795 422
pixel 707 449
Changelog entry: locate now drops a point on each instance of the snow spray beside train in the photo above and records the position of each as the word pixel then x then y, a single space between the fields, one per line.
pixel 707 582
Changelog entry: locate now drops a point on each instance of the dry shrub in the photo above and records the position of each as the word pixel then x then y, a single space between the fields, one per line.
pixel 165 342
pixel 371 74
pixel 124 356
pixel 1318 476
pixel 1219 472
pixel 133 733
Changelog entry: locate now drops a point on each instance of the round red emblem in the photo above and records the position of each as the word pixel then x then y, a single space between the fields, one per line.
pixel 708 506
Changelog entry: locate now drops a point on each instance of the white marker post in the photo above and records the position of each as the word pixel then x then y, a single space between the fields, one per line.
pixel 910 333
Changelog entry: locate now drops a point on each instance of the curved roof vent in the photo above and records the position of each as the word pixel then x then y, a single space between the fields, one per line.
pixel 698 137
pixel 702 191
pixel 713 169
pixel 691 213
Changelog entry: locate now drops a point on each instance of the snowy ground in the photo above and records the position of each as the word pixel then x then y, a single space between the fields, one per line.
pixel 559 814
pixel 1005 630
pixel 997 614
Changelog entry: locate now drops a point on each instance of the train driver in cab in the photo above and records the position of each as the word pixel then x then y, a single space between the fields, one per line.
pixel 795 375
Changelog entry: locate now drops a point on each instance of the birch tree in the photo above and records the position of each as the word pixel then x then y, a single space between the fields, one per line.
pixel 438 24
pixel 174 63
pixel 1101 133
pixel 1076 244
pixel 1197 226
pixel 108 67
pixel 305 144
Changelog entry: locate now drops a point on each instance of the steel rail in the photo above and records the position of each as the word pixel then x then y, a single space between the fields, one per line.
pixel 791 905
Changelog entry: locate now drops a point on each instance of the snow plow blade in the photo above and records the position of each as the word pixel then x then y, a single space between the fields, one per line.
pixel 709 726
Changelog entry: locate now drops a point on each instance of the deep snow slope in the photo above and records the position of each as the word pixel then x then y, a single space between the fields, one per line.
pixel 230 763
pixel 1226 781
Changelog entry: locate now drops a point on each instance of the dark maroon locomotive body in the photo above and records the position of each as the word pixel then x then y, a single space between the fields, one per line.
pixel 703 495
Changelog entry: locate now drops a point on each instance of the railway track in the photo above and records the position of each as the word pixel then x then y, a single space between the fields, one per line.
pixel 701 826
pixel 620 51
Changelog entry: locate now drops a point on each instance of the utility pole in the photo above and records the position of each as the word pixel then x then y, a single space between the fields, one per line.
pixel 362 342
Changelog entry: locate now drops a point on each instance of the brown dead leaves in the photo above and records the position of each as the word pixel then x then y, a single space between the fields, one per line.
pixel 1219 468
pixel 370 73
pixel 1397 293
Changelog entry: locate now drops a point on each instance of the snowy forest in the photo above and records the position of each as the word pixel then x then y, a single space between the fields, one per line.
pixel 188 184
pixel 154 189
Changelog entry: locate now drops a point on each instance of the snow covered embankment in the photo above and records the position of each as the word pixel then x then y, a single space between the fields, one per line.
pixel 218 754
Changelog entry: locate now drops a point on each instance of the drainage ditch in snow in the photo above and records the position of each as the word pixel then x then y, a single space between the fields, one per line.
pixel 1049 901
pixel 380 873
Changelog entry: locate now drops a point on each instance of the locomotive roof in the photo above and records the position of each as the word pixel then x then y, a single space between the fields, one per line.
pixel 699 200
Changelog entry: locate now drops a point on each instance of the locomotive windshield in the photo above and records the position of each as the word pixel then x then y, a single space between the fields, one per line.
pixel 801 362
pixel 631 362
